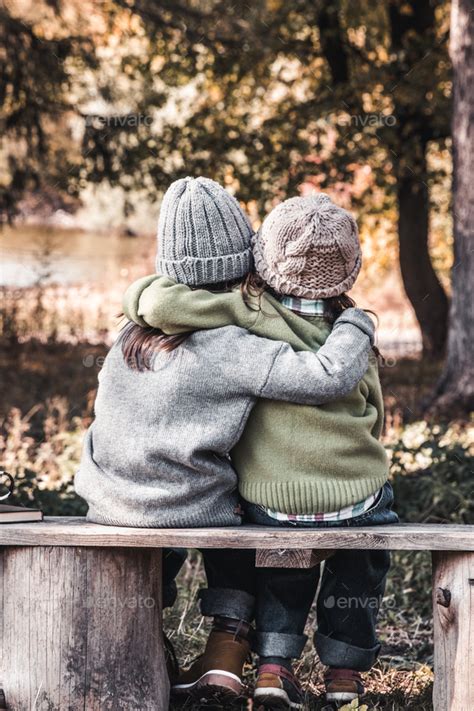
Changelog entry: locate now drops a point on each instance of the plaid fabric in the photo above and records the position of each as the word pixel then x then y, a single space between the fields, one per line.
pixel 305 307
pixel 311 307
pixel 348 512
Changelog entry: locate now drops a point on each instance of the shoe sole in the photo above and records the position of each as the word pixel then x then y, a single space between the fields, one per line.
pixel 211 686
pixel 274 699
pixel 341 698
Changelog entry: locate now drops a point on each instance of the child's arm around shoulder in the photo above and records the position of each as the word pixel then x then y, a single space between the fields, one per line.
pixel 160 302
pixel 303 377
pixel 333 371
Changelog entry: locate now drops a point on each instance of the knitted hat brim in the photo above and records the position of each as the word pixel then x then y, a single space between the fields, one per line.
pixel 283 285
pixel 196 271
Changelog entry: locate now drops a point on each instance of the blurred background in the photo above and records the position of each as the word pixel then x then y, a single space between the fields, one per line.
pixel 104 103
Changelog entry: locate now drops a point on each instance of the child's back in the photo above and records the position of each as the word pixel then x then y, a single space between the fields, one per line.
pixel 290 458
pixel 157 452
pixel 303 460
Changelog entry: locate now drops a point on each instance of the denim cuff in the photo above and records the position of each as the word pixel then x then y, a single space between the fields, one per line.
pixel 237 604
pixel 278 644
pixel 334 653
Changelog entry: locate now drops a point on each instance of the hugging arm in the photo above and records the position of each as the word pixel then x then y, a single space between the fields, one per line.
pixel 305 377
pixel 333 371
pixel 160 302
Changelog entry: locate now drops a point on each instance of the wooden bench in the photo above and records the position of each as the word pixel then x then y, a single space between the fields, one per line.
pixel 80 605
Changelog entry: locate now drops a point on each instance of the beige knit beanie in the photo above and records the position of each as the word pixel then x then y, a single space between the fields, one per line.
pixel 308 247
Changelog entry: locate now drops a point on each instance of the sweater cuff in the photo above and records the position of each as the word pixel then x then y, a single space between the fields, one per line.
pixel 358 318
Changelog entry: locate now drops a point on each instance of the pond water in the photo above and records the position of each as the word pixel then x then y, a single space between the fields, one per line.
pixel 31 255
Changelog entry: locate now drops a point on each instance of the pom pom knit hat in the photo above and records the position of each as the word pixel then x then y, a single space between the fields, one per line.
pixel 308 247
pixel 203 234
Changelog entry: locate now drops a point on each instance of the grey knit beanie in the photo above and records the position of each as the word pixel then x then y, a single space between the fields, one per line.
pixel 203 234
pixel 308 247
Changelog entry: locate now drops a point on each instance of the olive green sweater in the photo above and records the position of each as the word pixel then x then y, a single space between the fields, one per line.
pixel 291 458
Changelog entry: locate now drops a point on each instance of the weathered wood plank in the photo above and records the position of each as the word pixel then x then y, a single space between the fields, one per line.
pixel 82 630
pixel 64 531
pixel 290 558
pixel 284 558
pixel 453 612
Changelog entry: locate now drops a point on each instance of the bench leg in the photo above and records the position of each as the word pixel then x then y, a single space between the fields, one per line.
pixel 82 629
pixel 453 611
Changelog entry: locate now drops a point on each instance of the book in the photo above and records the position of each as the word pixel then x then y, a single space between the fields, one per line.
pixel 19 514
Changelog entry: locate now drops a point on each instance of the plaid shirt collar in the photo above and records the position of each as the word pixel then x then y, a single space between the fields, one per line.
pixel 305 307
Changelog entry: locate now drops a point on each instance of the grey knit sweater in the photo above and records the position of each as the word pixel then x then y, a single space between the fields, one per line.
pixel 156 454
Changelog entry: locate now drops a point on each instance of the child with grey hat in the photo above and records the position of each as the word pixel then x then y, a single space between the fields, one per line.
pixel 301 460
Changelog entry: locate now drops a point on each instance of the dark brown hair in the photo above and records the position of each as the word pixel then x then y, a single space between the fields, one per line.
pixel 140 344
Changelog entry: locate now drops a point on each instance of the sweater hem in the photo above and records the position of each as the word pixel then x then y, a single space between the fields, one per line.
pixel 317 496
pixel 133 521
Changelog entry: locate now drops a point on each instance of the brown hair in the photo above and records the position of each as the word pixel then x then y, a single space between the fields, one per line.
pixel 140 344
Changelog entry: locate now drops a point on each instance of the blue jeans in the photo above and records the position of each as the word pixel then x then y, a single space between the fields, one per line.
pixel 279 599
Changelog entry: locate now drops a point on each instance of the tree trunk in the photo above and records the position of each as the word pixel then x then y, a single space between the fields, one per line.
pixel 421 284
pixel 413 131
pixel 456 388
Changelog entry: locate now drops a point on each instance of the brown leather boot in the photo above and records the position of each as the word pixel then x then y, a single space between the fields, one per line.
pixel 217 674
pixel 277 688
pixel 343 685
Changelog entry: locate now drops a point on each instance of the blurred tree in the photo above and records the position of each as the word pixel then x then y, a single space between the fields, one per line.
pixel 35 95
pixel 456 388
pixel 275 95
pixel 269 98
pixel 413 35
